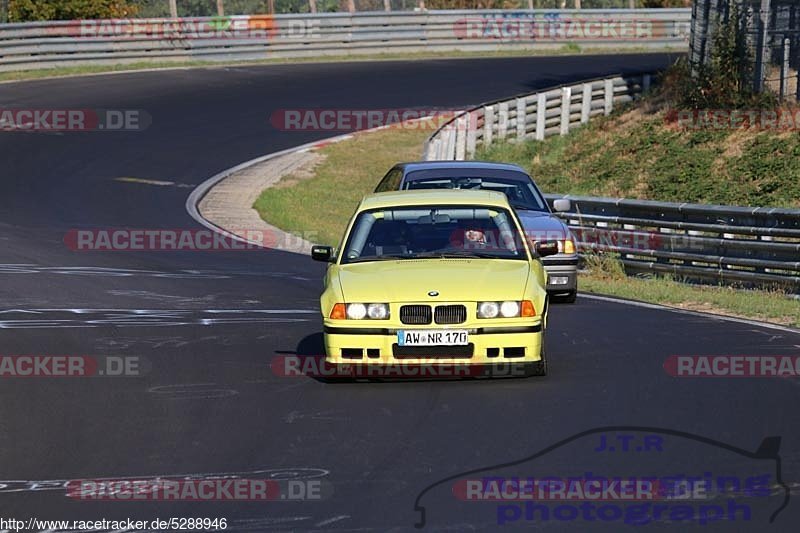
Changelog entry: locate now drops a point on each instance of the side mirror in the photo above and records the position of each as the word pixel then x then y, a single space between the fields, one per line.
pixel 545 248
pixel 562 205
pixel 322 253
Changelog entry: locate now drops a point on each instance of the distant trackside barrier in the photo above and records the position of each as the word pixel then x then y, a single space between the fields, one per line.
pixel 33 45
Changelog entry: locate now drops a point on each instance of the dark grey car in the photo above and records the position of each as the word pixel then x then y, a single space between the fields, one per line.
pixel 538 220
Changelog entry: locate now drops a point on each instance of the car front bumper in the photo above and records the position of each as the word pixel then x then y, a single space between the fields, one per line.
pixel 562 273
pixel 520 342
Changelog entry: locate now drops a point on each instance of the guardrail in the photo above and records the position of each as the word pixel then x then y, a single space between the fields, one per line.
pixel 743 245
pixel 257 37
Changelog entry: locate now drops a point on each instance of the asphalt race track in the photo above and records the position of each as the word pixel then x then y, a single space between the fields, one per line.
pixel 208 325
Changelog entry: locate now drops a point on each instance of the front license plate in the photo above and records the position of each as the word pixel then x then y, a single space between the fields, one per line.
pixel 432 337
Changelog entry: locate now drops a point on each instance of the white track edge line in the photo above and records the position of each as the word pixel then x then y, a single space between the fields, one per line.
pixel 712 316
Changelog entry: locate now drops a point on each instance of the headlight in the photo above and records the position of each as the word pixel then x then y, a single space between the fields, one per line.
pixel 372 311
pixel 506 309
pixel 566 247
pixel 509 309
pixel 488 310
pixel 356 311
pixel 378 311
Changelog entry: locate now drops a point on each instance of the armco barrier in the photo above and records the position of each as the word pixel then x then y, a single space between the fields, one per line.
pixel 742 245
pixel 25 46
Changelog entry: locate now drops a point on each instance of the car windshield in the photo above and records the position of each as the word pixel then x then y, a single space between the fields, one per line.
pixel 521 193
pixel 432 232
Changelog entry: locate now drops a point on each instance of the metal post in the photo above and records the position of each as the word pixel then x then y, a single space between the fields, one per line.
pixel 797 96
pixel 521 118
pixel 701 27
pixel 450 152
pixel 461 138
pixel 173 8
pixel 387 5
pixel 785 68
pixel 312 6
pixel 488 124
pixel 541 111
pixel 502 122
pixel 762 51
pixel 586 103
pixel 566 101
pixel 433 149
pixel 220 8
pixel 472 127
pixel 609 97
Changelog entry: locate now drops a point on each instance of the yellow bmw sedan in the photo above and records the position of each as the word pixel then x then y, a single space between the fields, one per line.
pixel 435 276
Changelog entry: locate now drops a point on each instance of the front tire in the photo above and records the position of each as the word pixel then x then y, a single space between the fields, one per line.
pixel 538 368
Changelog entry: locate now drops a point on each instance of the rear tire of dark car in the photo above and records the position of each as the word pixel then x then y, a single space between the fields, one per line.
pixel 569 298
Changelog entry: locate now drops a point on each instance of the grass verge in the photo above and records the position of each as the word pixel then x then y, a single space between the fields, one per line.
pixel 642 152
pixel 324 202
pixel 146 65
pixel 606 276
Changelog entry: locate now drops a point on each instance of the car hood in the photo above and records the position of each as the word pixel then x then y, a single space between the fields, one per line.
pixel 542 226
pixel 410 280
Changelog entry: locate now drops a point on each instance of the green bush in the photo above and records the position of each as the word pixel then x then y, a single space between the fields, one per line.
pixel 28 10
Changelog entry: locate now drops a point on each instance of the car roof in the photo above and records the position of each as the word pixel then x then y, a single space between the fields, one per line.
pixel 478 165
pixel 383 200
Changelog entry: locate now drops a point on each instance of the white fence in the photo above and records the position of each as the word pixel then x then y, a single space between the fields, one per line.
pixel 533 116
pixel 257 37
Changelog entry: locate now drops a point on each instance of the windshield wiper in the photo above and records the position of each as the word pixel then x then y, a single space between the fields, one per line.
pixel 524 207
pixel 458 255
pixel 379 258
